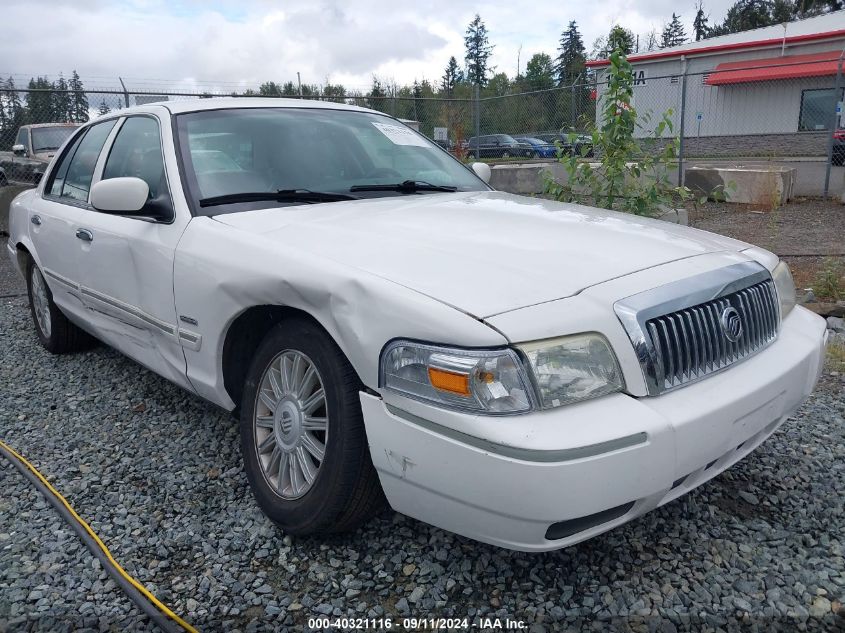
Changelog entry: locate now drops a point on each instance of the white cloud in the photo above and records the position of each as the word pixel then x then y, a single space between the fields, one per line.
pixel 249 41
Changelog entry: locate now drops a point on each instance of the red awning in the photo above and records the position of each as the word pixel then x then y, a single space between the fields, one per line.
pixel 790 67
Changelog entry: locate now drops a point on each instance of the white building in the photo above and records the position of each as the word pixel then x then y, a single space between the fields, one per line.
pixel 768 90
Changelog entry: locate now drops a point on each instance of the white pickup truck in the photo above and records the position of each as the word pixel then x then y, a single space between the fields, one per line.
pixel 33 150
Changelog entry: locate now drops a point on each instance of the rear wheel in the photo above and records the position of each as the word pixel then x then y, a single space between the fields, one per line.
pixel 506 154
pixel 302 434
pixel 55 332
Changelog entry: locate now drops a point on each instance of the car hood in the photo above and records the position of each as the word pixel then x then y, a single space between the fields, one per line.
pixel 482 252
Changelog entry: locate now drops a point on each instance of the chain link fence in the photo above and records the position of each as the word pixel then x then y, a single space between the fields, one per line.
pixel 741 113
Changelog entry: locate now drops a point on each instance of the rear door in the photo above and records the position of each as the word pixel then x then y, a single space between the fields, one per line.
pixel 55 216
pixel 126 268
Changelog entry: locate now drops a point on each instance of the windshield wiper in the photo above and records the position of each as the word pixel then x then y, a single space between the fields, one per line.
pixel 407 186
pixel 282 195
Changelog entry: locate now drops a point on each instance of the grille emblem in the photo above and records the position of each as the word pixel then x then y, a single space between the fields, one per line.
pixel 731 324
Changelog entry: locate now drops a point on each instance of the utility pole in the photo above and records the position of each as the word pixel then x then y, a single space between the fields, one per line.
pixel 683 115
pixel 125 93
pixel 834 122
pixel 299 83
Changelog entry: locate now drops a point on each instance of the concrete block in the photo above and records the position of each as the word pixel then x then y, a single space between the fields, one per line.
pixel 766 186
pixel 524 179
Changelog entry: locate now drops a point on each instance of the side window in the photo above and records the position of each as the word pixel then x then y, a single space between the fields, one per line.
pixel 23 138
pixel 137 152
pixel 57 177
pixel 80 171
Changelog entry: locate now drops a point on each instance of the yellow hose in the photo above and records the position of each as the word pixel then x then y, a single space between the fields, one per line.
pixel 146 592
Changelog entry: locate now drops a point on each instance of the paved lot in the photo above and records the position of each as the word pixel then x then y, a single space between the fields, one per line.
pixel 158 474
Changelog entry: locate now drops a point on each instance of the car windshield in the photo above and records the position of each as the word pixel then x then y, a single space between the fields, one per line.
pixel 531 140
pixel 50 138
pixel 266 150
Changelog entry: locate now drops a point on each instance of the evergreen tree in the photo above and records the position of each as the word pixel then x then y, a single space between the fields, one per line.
pixel 808 8
pixel 620 39
pixel 376 99
pixel 452 77
pixel 104 108
pixel 478 52
pixel 334 92
pixel 61 101
pixel 699 24
pixel 673 33
pixel 571 55
pixel 78 110
pixel 753 14
pixel 39 102
pixel 540 72
pixel 270 89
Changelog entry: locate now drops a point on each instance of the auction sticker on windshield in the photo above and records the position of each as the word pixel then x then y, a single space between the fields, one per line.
pixel 400 135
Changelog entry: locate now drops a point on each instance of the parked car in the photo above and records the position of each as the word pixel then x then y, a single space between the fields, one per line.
pixel 496 146
pixel 539 149
pixel 524 372
pixel 34 147
pixel 582 145
pixel 838 155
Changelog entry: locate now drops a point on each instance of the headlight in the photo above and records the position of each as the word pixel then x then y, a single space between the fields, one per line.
pixel 564 369
pixel 573 368
pixel 785 287
pixel 484 381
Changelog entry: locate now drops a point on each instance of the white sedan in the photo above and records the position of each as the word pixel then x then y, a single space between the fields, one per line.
pixel 384 325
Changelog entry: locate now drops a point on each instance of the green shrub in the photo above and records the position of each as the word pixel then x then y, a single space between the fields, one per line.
pixel 626 178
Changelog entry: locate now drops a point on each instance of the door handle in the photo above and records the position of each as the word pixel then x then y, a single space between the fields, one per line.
pixel 85 235
pixel 36 220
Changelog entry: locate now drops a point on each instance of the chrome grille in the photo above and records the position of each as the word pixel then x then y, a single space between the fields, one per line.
pixel 691 343
pixel 688 329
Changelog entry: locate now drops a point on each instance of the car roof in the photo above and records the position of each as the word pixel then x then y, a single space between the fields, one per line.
pixel 223 103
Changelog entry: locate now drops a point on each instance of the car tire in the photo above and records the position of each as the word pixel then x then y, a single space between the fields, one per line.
pixel 280 445
pixel 55 332
pixel 506 154
pixel 535 155
pixel 3 180
pixel 471 155
pixel 837 160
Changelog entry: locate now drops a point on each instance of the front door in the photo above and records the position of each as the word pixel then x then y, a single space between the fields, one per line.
pixel 126 269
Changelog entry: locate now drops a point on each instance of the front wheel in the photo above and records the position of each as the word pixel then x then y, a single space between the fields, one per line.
pixel 302 434
pixel 506 154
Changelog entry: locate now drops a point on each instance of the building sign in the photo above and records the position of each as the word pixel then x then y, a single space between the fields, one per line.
pixel 639 78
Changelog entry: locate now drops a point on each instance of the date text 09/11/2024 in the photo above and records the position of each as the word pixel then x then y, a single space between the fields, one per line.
pixel 417 624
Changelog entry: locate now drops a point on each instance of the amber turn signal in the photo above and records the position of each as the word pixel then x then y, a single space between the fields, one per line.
pixel 449 381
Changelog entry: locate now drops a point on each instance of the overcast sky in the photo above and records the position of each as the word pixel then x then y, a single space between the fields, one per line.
pixel 245 42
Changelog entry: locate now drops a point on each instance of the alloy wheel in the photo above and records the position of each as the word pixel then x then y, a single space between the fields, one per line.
pixel 41 302
pixel 291 423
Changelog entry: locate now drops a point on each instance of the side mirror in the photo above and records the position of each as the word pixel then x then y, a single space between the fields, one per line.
pixel 120 195
pixel 482 170
pixel 19 150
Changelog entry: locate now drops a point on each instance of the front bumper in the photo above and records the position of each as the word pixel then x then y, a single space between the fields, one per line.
pixel 582 469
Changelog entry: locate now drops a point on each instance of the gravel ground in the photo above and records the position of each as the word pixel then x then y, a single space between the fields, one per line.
pixel 807 233
pixel 158 475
